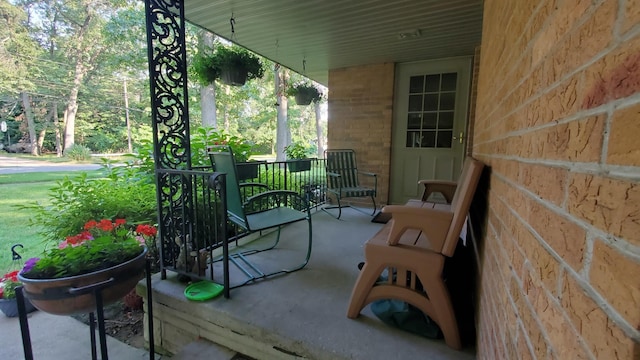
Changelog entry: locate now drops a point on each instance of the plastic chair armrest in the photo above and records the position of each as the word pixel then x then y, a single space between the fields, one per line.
pixel 434 223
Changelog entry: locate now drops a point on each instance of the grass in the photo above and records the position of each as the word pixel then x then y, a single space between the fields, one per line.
pixel 21 189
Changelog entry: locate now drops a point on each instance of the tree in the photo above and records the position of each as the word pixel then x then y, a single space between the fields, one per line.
pixel 283 133
pixel 207 92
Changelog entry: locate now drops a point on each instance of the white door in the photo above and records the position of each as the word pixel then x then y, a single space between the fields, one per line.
pixel 430 115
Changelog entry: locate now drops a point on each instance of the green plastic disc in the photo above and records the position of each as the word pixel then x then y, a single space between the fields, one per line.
pixel 203 290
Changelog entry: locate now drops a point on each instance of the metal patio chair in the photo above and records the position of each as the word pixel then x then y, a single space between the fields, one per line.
pixel 266 210
pixel 343 181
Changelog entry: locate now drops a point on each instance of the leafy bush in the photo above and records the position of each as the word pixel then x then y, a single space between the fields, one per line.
pixel 125 192
pixel 208 136
pixel 297 150
pixel 78 153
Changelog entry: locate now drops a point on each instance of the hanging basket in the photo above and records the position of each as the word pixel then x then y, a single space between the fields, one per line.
pixel 75 294
pixel 303 99
pixel 234 76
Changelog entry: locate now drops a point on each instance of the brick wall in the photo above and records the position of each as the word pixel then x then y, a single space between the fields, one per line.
pixel 558 122
pixel 360 116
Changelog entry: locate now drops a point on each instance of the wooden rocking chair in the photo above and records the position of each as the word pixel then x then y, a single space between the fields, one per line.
pixel 412 247
pixel 265 210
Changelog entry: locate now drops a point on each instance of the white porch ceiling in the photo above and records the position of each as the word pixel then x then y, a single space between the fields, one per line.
pixel 332 34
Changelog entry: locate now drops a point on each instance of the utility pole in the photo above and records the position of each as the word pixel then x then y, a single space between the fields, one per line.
pixel 126 114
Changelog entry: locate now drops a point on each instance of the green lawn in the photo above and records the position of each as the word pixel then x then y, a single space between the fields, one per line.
pixel 20 189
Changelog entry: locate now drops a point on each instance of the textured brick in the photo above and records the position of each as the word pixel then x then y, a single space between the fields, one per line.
pixel 615 76
pixel 544 267
pixel 624 147
pixel 551 189
pixel 611 274
pixel 579 140
pixel 631 15
pixel 562 234
pixel 609 204
pixel 606 340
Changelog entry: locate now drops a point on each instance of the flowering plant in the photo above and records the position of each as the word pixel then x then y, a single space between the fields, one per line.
pixel 8 284
pixel 101 245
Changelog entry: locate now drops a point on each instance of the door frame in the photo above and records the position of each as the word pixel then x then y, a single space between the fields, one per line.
pixel 463 66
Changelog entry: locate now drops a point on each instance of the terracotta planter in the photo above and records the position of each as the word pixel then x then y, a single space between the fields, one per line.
pixel 9 307
pixel 75 294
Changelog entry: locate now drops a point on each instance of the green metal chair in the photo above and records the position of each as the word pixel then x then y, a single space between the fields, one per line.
pixel 266 210
pixel 342 179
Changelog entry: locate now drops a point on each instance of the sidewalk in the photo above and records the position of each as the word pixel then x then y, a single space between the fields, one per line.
pixel 55 337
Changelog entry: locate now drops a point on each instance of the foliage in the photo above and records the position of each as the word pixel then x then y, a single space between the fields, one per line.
pixel 78 153
pixel 8 284
pixel 125 192
pixel 306 91
pixel 297 150
pixel 209 66
pixel 99 246
pixel 203 137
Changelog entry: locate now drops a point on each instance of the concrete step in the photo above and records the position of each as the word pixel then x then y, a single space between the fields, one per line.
pixel 203 349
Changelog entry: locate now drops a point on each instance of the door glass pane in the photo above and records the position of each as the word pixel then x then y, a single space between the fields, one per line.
pixel 431 102
pixel 429 139
pixel 413 121
pixel 444 139
pixel 413 139
pixel 432 83
pixel 449 82
pixel 416 84
pixel 447 101
pixel 430 120
pixel 415 102
pixel 445 120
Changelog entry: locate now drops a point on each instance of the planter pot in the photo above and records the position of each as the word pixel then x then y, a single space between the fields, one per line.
pixel 303 98
pixel 234 76
pixel 299 165
pixel 9 307
pixel 248 170
pixel 75 294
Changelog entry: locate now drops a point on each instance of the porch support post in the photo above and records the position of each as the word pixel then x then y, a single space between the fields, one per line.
pixel 167 57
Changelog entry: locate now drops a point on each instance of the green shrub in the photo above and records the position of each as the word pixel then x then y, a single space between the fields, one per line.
pixel 125 192
pixel 78 153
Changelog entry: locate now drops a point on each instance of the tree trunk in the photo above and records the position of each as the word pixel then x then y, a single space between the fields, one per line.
pixel 26 105
pixel 56 126
pixel 283 133
pixel 43 131
pixel 207 93
pixel 319 133
pixel 79 72
pixel 72 106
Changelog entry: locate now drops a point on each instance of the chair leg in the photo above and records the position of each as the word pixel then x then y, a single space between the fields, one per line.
pixel 366 279
pixel 373 199
pixel 339 207
pixel 443 310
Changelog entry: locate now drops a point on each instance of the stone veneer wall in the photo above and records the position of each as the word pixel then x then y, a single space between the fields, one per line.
pixel 558 122
pixel 360 116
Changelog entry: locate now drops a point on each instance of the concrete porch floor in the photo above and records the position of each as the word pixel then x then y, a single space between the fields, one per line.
pixel 301 315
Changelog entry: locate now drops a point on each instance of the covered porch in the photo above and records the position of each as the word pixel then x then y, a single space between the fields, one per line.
pixel 302 315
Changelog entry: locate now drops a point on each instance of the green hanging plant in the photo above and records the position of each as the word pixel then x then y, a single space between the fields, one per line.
pixel 233 65
pixel 304 93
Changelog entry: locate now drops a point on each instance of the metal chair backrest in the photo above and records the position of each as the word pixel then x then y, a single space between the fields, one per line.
pixel 342 162
pixel 223 162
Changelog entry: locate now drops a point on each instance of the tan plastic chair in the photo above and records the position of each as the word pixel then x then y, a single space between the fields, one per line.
pixel 413 246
